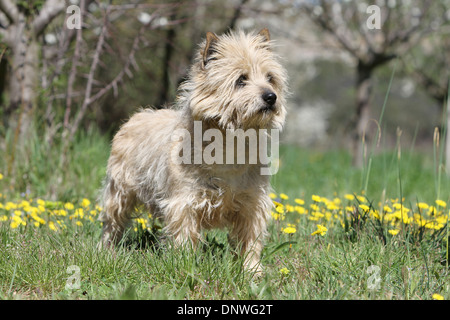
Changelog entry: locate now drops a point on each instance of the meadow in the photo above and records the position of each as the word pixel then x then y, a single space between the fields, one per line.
pixel 337 232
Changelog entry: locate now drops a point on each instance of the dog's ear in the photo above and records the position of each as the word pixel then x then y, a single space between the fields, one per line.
pixel 265 34
pixel 211 39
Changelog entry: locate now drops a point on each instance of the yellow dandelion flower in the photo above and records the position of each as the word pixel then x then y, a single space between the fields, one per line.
pixel 35 216
pixel 17 221
pixel 79 223
pixel 284 271
pixel 437 296
pixel 52 226
pixel 349 197
pixel 69 206
pixel 394 232
pixel 361 199
pixel 441 203
pixel 289 229
pixel 14 224
pixel 85 203
pixel 284 196
pixel 433 225
pixel 316 198
pixel 397 206
pixel 422 205
pixel 10 206
pixel 279 209
pixel 24 203
pixel 364 207
pixel 397 214
pixel 324 200
pixel 317 214
pixel 32 210
pixel 1 176
pixel 387 209
pixel 407 219
pixel 299 201
pixel 300 210
pixel 61 223
pixel 419 220
pixel 289 208
pixel 321 230
pixel 332 206
pixel 432 210
pixel 441 220
pixel 277 204
pixel 272 195
pixel 275 216
pixel 375 214
pixel 79 213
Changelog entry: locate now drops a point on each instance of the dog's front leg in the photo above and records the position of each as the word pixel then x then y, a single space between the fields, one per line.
pixel 182 226
pixel 247 234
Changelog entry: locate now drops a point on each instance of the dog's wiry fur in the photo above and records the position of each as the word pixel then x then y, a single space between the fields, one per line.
pixel 225 90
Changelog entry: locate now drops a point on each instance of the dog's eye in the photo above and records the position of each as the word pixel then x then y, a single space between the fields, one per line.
pixel 270 78
pixel 241 81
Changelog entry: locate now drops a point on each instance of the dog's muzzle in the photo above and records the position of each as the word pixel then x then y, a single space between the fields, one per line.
pixel 269 98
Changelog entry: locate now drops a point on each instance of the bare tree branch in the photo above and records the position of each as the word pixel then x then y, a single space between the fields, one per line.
pixel 94 89
pixel 236 15
pixel 73 70
pixel 10 10
pixel 327 24
pixel 48 12
pixel 94 64
pixel 4 35
pixel 158 6
pixel 125 70
pixel 403 36
pixel 434 89
pixel 366 34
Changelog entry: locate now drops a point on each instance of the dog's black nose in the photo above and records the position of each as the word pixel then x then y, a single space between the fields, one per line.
pixel 269 97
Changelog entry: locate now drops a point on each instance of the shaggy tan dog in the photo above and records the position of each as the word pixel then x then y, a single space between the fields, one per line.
pixel 236 83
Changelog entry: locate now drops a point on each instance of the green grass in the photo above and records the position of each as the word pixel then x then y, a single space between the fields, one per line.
pixel 306 172
pixel 33 265
pixel 34 262
pixel 37 168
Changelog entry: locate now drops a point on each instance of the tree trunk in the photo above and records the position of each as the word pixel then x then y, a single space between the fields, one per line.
pixel 3 79
pixel 23 27
pixel 165 89
pixel 362 116
pixel 23 77
pixel 447 139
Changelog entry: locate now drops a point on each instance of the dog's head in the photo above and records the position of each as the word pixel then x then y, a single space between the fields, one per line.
pixel 237 82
